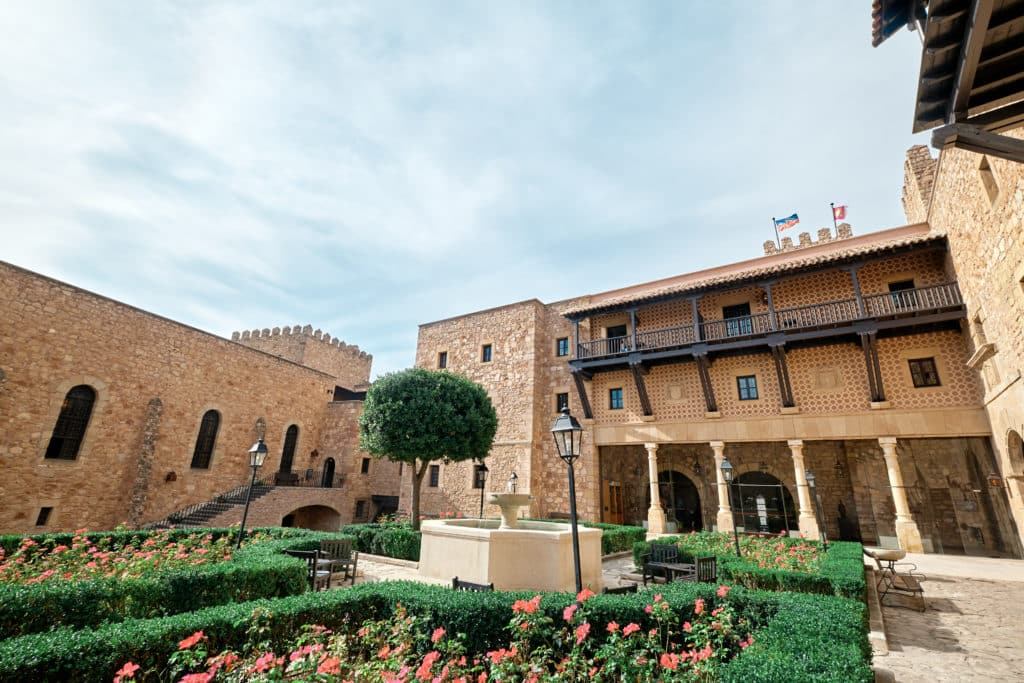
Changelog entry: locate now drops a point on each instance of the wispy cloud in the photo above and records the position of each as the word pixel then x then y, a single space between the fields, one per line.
pixel 365 167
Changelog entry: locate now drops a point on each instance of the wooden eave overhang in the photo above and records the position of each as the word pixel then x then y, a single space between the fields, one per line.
pixel 828 256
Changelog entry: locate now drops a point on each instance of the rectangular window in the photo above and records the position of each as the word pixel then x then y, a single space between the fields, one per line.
pixel 44 516
pixel 616 338
pixel 435 476
pixel 923 372
pixel 486 353
pixel 360 509
pixel 737 320
pixel 561 402
pixel 479 476
pixel 442 360
pixel 903 294
pixel 365 468
pixel 615 399
pixel 562 346
pixel 747 386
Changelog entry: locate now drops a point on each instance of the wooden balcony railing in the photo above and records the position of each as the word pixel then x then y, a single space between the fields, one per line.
pixel 829 314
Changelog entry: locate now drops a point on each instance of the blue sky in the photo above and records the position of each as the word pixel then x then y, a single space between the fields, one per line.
pixel 366 167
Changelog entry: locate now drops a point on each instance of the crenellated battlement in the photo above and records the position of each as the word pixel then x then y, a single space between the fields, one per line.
pixel 313 348
pixel 300 331
pixel 843 231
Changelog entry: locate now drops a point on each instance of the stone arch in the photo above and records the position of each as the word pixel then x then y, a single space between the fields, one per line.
pixel 780 511
pixel 318 517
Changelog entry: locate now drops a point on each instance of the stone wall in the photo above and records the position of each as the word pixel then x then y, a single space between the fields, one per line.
pixel 134 463
pixel 346 363
pixel 978 202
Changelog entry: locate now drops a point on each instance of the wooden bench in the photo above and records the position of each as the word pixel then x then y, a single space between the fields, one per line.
pixel 460 585
pixel 896 577
pixel 317 576
pixel 621 590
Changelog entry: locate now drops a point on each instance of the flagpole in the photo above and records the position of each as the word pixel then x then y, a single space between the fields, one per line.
pixel 776 226
pixel 833 205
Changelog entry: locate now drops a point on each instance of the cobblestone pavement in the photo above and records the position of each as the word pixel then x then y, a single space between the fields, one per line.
pixel 973 630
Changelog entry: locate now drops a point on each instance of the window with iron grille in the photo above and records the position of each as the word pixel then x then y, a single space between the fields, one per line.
pixel 562 346
pixel 923 372
pixel 365 467
pixel 442 360
pixel 747 386
pixel 486 353
pixel 435 476
pixel 291 437
pixel 71 423
pixel 561 402
pixel 615 399
pixel 207 437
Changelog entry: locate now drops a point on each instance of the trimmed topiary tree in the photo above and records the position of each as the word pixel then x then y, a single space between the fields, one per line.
pixel 419 416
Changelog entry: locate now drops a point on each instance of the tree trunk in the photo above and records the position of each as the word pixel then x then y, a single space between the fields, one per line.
pixel 417 480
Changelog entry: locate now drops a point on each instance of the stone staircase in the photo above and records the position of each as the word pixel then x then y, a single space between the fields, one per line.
pixel 201 514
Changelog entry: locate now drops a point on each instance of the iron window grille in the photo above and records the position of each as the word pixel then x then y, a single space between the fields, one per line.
pixel 435 476
pixel 442 360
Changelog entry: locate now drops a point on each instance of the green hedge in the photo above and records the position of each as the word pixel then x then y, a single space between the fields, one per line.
pixel 390 540
pixel 256 571
pixel 617 538
pixel 800 637
pixel 841 572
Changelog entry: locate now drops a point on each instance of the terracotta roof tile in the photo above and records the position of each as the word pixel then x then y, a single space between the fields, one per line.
pixel 835 251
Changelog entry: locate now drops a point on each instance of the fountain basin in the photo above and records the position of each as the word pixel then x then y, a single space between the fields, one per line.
pixel 530 556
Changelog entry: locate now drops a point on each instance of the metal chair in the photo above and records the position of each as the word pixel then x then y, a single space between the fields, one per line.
pixel 460 585
pixel 338 555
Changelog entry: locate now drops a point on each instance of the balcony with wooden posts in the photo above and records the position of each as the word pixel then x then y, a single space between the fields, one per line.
pixel 869 313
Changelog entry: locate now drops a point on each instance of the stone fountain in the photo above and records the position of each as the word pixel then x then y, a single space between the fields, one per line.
pixel 513 554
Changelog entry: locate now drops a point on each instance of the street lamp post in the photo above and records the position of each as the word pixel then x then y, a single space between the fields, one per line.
pixel 481 473
pixel 817 510
pixel 727 475
pixel 568 437
pixel 257 454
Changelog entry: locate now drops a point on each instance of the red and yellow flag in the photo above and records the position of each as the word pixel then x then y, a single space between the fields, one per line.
pixel 839 212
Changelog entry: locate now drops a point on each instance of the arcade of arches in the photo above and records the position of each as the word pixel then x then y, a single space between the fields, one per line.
pixel 930 495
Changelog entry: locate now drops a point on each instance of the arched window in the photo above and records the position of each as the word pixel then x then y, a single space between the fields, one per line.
pixel 207 437
pixel 288 452
pixel 71 424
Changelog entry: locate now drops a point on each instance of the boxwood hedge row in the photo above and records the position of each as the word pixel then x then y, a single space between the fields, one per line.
pixel 841 572
pixel 258 570
pixel 616 538
pixel 800 637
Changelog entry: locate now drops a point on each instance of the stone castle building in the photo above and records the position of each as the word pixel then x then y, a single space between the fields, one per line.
pixel 110 414
pixel 885 364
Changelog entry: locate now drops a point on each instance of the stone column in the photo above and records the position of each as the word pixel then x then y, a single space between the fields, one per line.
pixel 724 520
pixel 808 522
pixel 655 515
pixel 906 528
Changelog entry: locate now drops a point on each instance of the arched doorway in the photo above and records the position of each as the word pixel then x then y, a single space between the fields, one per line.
pixel 762 503
pixel 328 480
pixel 318 517
pixel 681 501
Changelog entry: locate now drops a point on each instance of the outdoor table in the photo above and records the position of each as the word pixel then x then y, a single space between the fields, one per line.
pixel 676 570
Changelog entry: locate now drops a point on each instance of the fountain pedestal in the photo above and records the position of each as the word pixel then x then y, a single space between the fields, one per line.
pixel 513 554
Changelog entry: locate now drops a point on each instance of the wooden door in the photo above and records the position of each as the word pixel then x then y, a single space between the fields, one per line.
pixel 613 509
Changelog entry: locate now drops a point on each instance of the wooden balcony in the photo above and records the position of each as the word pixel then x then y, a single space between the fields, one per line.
pixel 888 310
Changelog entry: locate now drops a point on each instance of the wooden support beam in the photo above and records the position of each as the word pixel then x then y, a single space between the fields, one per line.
pixel 974 139
pixel 705 382
pixel 869 342
pixel 632 329
pixel 970 55
pixel 641 387
pixel 873 337
pixel 782 372
pixel 866 346
pixel 696 319
pixel 771 306
pixel 581 390
pixel 856 290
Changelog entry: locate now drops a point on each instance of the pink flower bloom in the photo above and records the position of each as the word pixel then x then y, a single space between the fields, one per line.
pixel 191 640
pixel 582 631
pixel 657 597
pixel 723 591
pixel 568 612
pixel 584 595
pixel 648 609
pixel 330 665
pixel 203 677
pixel 438 634
pixel 612 627
pixel 687 627
pixel 698 605
pixel 669 661
pixel 126 671
pixel 630 628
